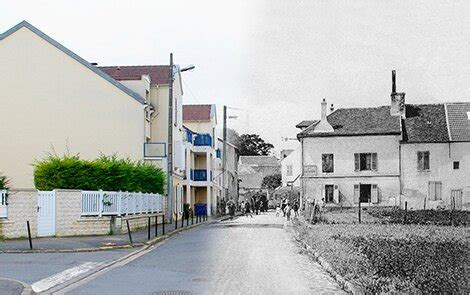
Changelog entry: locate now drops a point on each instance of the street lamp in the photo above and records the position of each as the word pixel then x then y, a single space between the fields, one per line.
pixel 173 71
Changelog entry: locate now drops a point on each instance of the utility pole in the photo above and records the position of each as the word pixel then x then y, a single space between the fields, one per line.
pixel 170 145
pixel 224 156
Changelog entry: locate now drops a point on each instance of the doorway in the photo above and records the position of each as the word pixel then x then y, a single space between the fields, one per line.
pixel 365 193
pixel 329 193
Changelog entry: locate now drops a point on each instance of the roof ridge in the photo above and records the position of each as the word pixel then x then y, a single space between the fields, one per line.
pixel 142 66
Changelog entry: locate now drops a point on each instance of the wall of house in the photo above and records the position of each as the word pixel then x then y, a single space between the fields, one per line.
pixel 50 100
pixel 293 160
pixel 343 148
pixel 441 158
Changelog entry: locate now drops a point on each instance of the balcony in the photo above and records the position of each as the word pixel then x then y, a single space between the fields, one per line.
pixel 189 136
pixel 203 139
pixel 200 175
pixel 154 149
pixel 218 153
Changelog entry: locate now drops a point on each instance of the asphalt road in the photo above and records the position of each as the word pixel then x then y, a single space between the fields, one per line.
pixel 244 256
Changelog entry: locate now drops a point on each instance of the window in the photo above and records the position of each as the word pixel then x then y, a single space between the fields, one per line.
pixel 327 163
pixel 456 165
pixel 365 162
pixel 289 170
pixel 435 190
pixel 423 161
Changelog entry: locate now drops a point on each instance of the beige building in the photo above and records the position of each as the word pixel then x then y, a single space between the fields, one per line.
pixel 153 82
pixel 203 185
pixel 52 100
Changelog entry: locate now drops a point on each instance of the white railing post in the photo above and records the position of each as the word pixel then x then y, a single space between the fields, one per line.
pixel 100 203
pixel 119 202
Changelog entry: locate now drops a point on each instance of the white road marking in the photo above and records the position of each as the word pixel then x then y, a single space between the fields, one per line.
pixel 61 277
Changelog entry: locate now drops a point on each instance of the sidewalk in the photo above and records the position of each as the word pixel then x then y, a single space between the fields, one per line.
pixel 90 243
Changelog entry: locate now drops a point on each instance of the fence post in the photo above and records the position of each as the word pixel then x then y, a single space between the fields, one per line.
pixel 406 211
pixel 119 203
pixel 29 236
pixel 100 203
pixel 187 219
pixel 182 220
pixel 359 211
pixel 156 225
pixel 148 230
pixel 163 225
pixel 129 231
pixel 192 217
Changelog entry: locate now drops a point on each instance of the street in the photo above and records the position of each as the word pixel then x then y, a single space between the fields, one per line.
pixel 246 255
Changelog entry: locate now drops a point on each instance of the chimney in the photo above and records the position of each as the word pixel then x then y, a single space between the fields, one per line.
pixel 332 108
pixel 397 105
pixel 323 125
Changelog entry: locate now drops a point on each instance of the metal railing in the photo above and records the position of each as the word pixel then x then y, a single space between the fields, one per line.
pixel 120 203
pixel 202 139
pixel 3 203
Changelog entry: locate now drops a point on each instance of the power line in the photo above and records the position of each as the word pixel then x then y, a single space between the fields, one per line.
pixel 190 91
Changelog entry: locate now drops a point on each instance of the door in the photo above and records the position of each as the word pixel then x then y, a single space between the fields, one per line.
pixel 329 193
pixel 456 199
pixel 365 193
pixel 46 214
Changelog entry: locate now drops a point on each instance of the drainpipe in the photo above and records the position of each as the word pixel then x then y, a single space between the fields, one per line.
pixel 399 168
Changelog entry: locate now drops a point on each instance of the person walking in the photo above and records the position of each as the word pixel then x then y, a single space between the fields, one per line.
pixel 288 210
pixel 248 210
pixel 296 209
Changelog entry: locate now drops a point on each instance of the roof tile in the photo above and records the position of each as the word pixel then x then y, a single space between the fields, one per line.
pixel 159 75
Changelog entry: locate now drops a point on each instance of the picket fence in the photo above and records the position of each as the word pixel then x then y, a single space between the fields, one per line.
pixel 3 204
pixel 120 203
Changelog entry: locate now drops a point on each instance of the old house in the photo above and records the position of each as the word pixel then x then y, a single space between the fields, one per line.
pixel 387 155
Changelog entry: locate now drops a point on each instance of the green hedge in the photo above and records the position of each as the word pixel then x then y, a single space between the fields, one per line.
pixel 435 217
pixel 106 173
pixel 3 182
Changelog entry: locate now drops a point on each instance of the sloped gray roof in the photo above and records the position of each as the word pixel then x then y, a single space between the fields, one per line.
pixel 306 123
pixel 25 24
pixel 459 127
pixel 259 160
pixel 425 123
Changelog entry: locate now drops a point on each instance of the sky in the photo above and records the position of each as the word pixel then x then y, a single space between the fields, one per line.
pixel 273 61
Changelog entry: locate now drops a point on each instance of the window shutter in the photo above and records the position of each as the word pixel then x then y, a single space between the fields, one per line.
pixel 356 193
pixel 374 194
pixel 431 191
pixel 426 161
pixel 336 194
pixel 420 161
pixel 357 162
pixel 374 161
pixel 439 190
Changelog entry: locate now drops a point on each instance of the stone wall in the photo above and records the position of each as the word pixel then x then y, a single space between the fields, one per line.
pixel 69 222
pixel 22 206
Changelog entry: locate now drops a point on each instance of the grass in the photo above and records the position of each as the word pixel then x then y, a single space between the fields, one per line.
pixel 394 258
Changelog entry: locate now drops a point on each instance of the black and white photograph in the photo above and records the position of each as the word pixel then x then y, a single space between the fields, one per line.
pixel 180 147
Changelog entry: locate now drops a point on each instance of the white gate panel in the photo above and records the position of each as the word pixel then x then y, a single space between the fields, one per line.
pixel 46 213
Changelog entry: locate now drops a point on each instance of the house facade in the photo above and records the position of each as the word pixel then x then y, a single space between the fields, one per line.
pixel 291 167
pixel 202 185
pixel 53 101
pixel 153 83
pixel 388 155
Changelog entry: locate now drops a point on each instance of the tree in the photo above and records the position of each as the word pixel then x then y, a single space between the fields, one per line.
pixel 253 145
pixel 272 181
pixel 233 137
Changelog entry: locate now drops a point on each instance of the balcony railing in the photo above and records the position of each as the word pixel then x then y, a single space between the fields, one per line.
pixel 202 139
pixel 200 175
pixel 189 136
pixel 218 153
pixel 3 203
pixel 155 149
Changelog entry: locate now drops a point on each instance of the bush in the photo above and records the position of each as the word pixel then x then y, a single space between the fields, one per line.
pixel 4 182
pixel 106 173
pixel 394 258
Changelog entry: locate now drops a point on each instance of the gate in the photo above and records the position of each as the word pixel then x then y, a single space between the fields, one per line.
pixel 46 213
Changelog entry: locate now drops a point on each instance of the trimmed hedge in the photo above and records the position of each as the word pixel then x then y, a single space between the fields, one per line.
pixel 106 173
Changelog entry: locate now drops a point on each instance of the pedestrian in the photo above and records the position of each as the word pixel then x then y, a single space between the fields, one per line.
pixel 283 207
pixel 247 209
pixel 242 208
pixel 278 211
pixel 288 210
pixel 296 209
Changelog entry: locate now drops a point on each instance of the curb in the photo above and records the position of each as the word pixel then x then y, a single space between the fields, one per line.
pixel 27 290
pixel 344 284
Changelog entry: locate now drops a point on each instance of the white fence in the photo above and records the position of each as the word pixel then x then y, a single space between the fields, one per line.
pixel 3 204
pixel 120 203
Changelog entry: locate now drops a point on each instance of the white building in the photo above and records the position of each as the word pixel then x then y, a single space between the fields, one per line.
pixel 390 154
